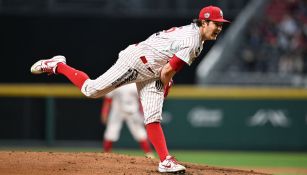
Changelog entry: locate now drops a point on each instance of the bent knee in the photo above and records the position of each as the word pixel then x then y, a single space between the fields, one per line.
pixel 90 91
pixel 92 95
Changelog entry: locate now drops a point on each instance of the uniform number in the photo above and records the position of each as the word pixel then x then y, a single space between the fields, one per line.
pixel 169 30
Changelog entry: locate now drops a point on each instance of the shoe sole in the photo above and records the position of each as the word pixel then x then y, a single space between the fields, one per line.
pixel 175 172
pixel 178 172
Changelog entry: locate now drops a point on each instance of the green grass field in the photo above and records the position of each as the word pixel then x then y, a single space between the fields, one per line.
pixel 237 158
pixel 260 160
pixel 275 160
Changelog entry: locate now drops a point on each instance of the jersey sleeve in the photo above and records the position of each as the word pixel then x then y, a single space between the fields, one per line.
pixel 187 51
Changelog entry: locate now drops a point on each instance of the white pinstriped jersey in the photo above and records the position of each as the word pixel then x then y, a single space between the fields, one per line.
pixel 185 42
pixel 141 64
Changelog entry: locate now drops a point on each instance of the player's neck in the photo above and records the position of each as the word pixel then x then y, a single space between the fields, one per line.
pixel 202 34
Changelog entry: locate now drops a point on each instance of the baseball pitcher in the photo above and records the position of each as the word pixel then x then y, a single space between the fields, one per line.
pixel 150 64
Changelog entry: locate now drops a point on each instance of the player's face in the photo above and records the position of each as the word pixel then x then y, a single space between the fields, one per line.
pixel 211 30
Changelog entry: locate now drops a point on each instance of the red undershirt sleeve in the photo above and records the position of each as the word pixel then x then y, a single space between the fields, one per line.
pixel 176 63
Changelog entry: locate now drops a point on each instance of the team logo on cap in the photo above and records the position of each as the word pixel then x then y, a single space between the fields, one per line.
pixel 207 15
pixel 221 13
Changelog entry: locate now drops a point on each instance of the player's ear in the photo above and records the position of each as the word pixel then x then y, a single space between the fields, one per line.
pixel 203 22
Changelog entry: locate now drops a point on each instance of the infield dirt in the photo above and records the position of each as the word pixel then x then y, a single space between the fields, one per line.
pixel 59 163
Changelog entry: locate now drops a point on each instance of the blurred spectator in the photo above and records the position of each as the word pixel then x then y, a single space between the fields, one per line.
pixel 277 41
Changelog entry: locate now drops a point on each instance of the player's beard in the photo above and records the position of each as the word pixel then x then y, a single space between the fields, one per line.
pixel 212 36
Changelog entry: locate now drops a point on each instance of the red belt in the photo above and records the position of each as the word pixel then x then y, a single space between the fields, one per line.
pixel 144 60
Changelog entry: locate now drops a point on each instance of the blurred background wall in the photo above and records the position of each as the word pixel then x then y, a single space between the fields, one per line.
pixel 264 46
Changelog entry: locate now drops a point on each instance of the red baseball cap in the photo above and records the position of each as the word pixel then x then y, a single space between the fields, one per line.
pixel 212 13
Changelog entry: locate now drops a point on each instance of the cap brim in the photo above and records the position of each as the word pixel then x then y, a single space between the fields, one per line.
pixel 220 20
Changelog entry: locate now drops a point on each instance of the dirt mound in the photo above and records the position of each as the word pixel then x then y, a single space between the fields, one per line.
pixel 59 163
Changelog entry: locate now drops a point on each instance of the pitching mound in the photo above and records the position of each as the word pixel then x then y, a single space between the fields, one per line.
pixel 45 163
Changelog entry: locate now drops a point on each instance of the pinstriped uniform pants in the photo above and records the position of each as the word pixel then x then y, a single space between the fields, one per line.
pixel 129 68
